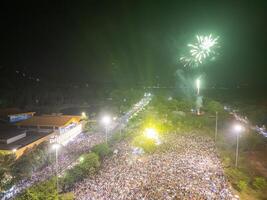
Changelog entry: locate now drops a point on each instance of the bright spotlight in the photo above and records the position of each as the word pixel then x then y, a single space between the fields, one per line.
pixel 55 146
pixel 83 115
pixel 238 127
pixel 14 150
pixel 106 120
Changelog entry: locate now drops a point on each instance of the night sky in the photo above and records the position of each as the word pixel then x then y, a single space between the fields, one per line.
pixel 131 42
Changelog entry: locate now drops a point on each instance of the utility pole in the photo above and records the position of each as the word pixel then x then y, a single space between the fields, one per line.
pixel 216 126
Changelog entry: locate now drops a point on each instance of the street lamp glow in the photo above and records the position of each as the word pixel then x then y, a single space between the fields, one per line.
pixel 14 150
pixel 238 128
pixel 106 120
pixel 83 115
pixel 56 146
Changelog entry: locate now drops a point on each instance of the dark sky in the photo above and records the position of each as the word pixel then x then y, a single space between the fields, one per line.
pixel 131 41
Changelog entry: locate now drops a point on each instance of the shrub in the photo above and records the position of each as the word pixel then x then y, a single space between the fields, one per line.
pixel 214 106
pixel 242 185
pixel 87 166
pixel 90 163
pixel 42 191
pixel 67 196
pixel 238 178
pixel 147 144
pixel 259 183
pixel 101 150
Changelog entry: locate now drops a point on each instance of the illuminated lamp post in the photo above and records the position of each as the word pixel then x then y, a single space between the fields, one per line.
pixel 55 147
pixel 237 128
pixel 106 121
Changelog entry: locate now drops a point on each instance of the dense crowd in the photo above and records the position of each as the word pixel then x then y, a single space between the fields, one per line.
pixel 68 154
pixel 183 167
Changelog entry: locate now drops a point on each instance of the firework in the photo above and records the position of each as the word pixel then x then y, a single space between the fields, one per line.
pixel 204 48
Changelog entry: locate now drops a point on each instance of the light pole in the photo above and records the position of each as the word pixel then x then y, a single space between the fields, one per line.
pixel 198 89
pixel 216 126
pixel 237 128
pixel 56 146
pixel 106 121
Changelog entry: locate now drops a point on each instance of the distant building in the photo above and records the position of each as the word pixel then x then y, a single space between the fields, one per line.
pixel 65 127
pixel 16 141
pixel 13 115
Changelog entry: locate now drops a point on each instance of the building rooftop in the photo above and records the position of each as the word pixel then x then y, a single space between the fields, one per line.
pixel 8 131
pixel 5 112
pixel 31 137
pixel 50 120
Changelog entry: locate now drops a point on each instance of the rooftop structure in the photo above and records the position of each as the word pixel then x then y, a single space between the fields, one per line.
pixel 13 115
pixel 15 140
pixel 49 121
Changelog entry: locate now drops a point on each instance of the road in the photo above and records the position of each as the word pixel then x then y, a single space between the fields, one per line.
pixel 71 152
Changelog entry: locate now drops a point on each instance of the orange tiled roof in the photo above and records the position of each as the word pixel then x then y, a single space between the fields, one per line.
pixel 50 120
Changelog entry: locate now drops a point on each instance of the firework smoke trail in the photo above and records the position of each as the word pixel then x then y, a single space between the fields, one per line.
pixel 198 85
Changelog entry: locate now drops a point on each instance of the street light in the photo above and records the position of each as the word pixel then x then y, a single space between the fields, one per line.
pixel 84 115
pixel 55 147
pixel 237 128
pixel 216 126
pixel 106 121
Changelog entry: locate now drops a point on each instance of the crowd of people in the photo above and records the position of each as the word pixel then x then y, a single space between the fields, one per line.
pixel 67 155
pixel 183 167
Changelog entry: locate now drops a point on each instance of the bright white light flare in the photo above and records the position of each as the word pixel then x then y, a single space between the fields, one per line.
pixel 238 128
pixel 151 133
pixel 106 120
pixel 56 146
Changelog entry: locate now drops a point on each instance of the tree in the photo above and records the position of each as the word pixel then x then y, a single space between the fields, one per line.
pixel 259 183
pixel 46 190
pixel 147 144
pixel 6 178
pixel 88 165
pixel 214 106
pixel 101 150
